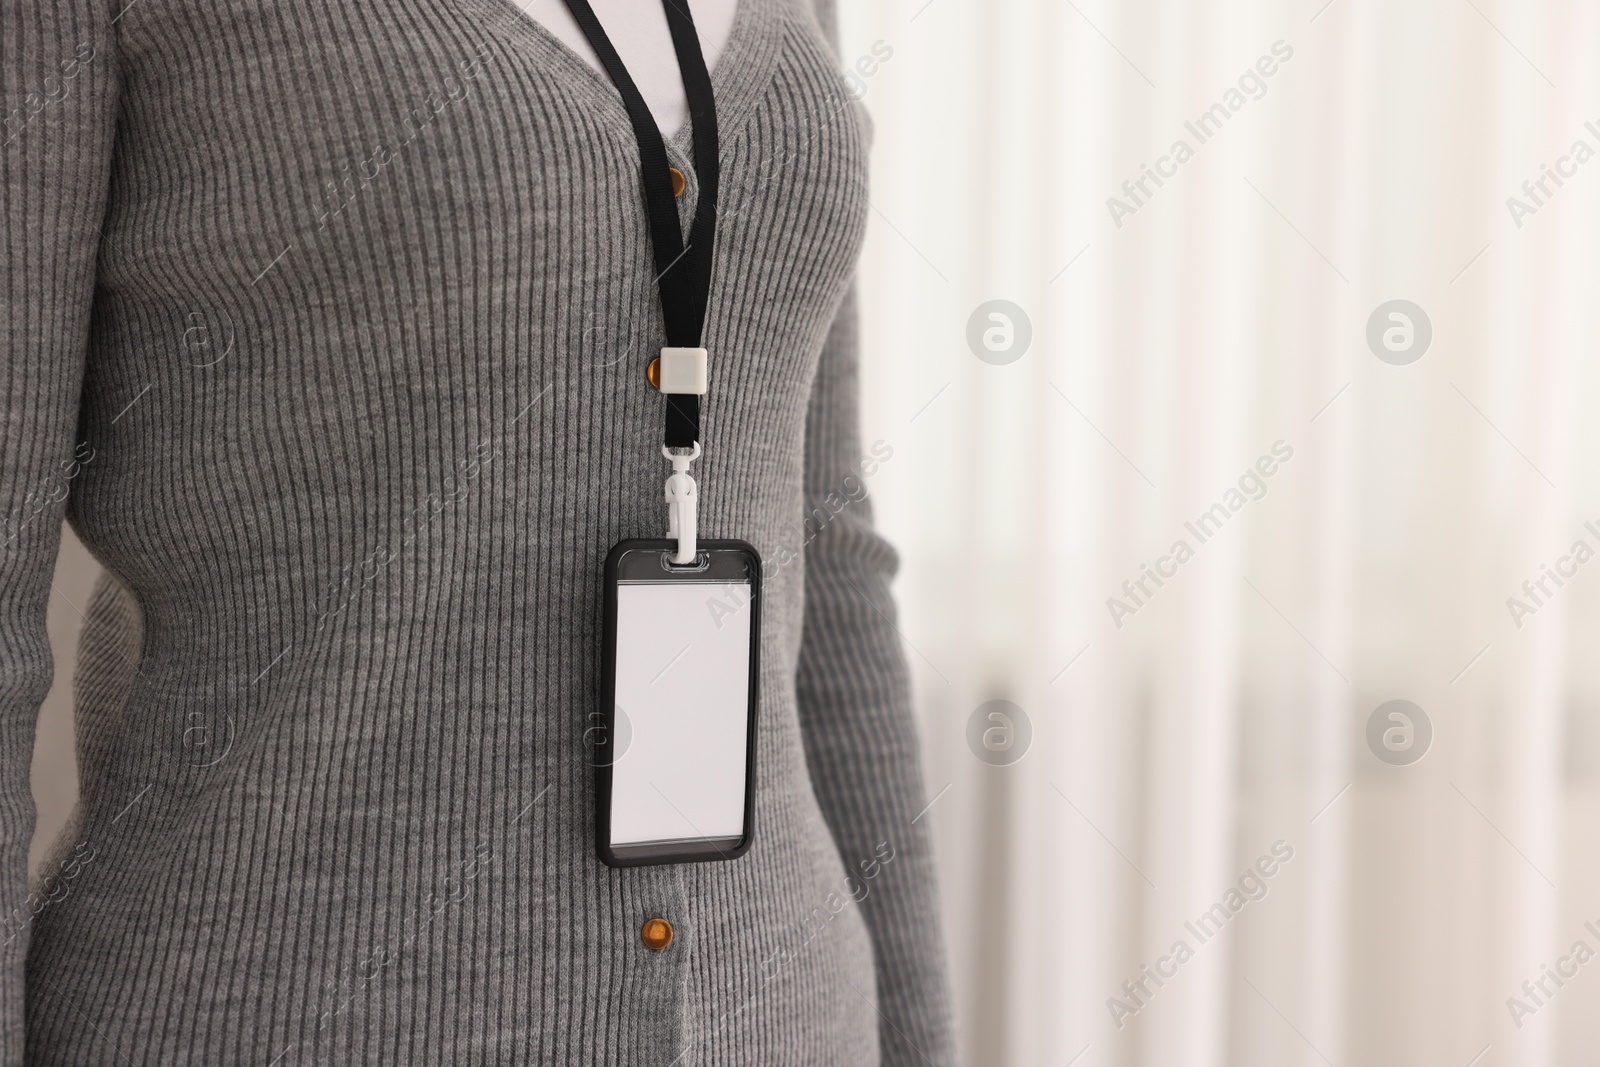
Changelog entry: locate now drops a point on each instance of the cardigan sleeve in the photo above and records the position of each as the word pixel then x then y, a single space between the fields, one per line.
pixel 58 89
pixel 855 715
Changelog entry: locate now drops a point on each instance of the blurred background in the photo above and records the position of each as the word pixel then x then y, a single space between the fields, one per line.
pixel 1344 744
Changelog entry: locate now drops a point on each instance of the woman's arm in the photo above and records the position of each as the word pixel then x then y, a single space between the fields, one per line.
pixel 855 717
pixel 58 90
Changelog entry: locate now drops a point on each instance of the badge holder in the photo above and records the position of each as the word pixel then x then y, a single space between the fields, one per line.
pixel 675 767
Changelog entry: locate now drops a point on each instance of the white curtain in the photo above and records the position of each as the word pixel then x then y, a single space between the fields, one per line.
pixel 1176 339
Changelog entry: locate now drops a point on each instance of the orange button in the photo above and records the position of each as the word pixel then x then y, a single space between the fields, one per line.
pixel 677 180
pixel 656 934
pixel 652 373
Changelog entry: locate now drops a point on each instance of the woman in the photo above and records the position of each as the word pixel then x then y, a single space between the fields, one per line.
pixel 326 326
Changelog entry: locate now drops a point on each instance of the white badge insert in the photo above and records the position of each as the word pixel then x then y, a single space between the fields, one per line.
pixel 683 682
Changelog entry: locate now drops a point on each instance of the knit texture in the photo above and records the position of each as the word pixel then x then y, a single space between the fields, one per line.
pixel 325 325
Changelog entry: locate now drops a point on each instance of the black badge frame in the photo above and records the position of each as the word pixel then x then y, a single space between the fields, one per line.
pixel 646 560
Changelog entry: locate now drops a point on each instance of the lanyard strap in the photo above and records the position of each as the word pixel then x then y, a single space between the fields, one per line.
pixel 682 272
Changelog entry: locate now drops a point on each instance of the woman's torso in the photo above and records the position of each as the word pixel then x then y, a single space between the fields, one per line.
pixel 366 403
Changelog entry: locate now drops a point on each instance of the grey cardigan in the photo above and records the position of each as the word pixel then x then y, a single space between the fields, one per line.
pixel 325 324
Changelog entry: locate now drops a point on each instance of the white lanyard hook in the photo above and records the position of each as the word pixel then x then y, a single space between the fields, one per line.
pixel 681 500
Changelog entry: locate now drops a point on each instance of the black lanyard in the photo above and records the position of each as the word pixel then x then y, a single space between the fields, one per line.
pixel 683 273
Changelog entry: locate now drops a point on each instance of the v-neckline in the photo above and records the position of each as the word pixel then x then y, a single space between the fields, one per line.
pixel 741 71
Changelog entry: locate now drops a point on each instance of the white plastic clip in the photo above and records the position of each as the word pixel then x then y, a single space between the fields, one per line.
pixel 681 500
pixel 683 370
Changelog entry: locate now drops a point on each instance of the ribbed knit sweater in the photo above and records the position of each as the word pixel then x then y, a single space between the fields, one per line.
pixel 325 325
